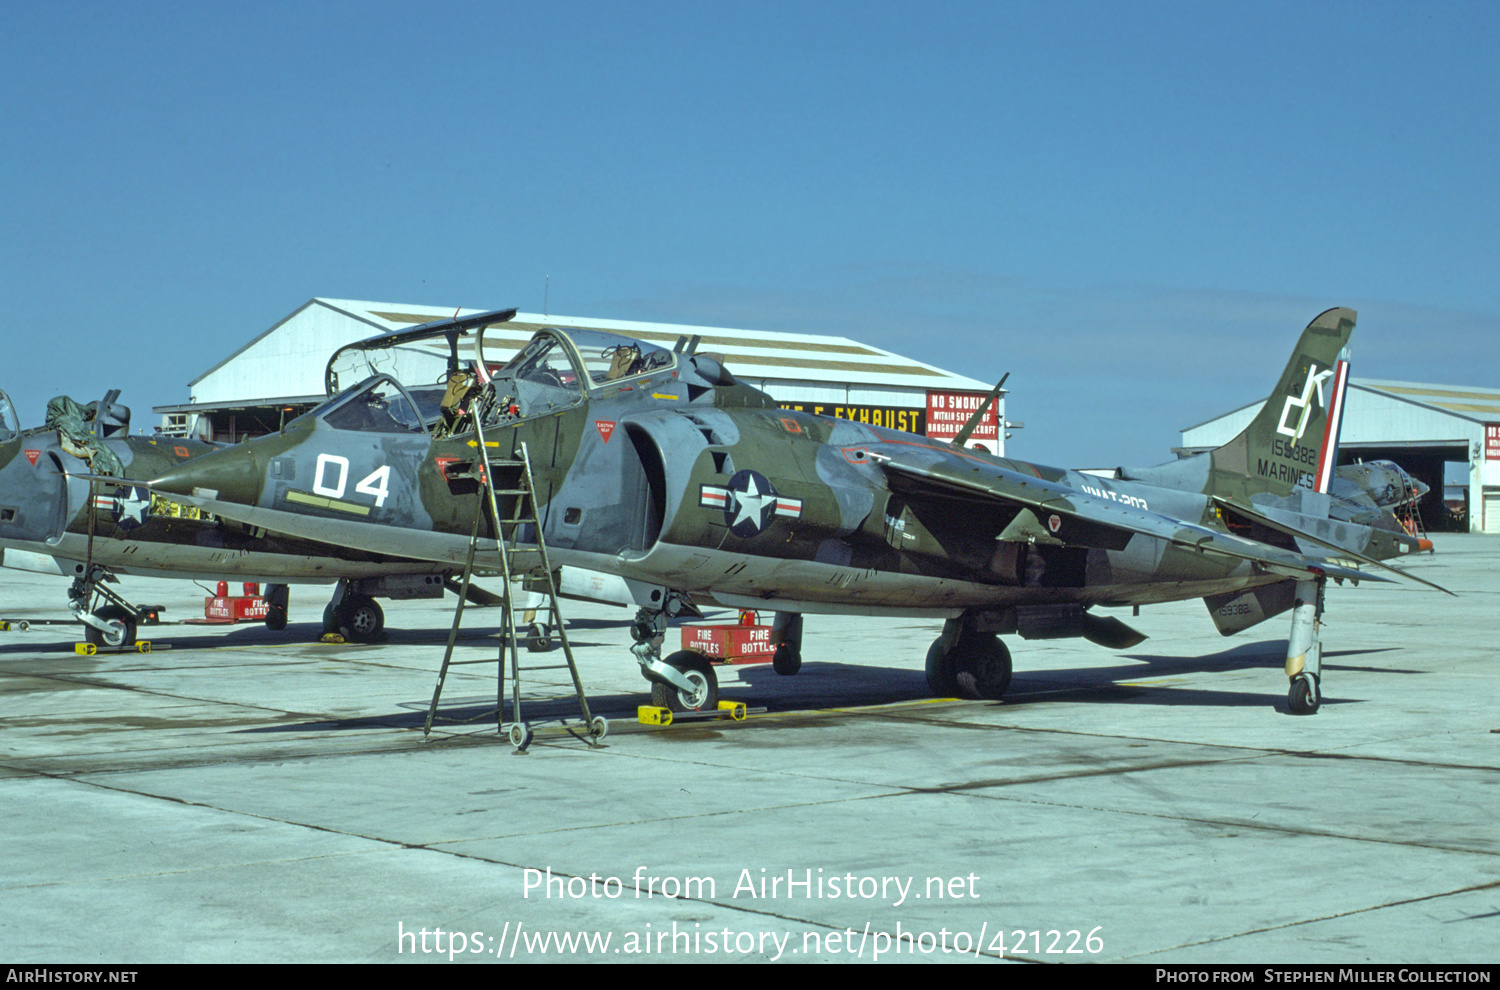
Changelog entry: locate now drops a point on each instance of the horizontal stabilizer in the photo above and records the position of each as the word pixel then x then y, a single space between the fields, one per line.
pixel 1245 512
pixel 1056 505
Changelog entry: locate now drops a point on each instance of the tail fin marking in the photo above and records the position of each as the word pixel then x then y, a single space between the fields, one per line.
pixel 1329 458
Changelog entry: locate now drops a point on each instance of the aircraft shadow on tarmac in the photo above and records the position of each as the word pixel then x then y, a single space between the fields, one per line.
pixel 821 686
pixel 306 634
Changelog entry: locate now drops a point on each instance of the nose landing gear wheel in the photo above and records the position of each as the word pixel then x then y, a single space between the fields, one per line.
pixel 121 631
pixel 696 668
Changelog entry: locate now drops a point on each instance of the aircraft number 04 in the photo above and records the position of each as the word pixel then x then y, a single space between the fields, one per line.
pixel 376 483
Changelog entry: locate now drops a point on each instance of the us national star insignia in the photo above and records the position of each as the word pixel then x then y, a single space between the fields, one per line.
pixel 750 502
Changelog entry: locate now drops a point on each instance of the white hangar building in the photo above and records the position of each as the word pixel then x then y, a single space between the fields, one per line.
pixel 1421 427
pixel 280 373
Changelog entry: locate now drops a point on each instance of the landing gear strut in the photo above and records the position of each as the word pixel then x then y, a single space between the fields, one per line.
pixel 968 662
pixel 110 625
pixel 684 681
pixel 1304 650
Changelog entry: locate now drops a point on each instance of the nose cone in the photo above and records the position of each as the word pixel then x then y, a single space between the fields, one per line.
pixel 233 474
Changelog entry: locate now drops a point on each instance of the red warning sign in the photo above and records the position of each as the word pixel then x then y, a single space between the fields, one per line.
pixel 947 412
pixel 606 427
pixel 32 455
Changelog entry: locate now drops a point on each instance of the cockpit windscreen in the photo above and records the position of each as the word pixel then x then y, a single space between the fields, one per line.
pixel 381 407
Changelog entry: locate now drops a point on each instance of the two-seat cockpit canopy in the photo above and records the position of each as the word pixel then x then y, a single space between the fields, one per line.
pixel 581 359
pixel 419 382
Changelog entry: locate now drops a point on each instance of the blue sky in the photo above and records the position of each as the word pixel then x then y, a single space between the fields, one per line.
pixel 1133 207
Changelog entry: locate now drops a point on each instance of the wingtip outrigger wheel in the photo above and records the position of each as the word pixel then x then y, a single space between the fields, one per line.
pixel 1304 650
pixel 1303 698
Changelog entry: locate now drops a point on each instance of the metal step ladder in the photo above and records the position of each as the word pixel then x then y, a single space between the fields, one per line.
pixel 516 559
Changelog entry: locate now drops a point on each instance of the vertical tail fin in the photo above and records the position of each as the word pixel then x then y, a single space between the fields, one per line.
pixel 1293 441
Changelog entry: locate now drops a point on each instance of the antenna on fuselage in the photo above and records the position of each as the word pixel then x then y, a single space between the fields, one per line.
pixel 974 420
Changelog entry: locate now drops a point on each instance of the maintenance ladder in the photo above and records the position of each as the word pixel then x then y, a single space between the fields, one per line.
pixel 515 559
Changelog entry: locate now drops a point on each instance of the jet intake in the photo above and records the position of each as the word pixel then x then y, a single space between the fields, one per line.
pixel 644 486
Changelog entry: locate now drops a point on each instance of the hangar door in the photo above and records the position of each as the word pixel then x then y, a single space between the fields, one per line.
pixel 1492 510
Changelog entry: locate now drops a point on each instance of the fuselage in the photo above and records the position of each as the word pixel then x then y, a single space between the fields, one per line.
pixel 48 511
pixel 682 477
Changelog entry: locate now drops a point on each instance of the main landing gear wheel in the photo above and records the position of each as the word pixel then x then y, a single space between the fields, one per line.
pixel 981 667
pixel 520 736
pixel 1303 698
pixel 360 618
pixel 598 729
pixel 696 668
pixel 975 665
pixel 538 638
pixel 787 661
pixel 121 631
pixel 786 633
pixel 276 597
pixel 941 679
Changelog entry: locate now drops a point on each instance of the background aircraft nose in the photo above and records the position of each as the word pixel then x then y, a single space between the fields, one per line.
pixel 233 474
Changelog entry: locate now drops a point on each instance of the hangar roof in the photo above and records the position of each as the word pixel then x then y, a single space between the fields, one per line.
pixel 1380 411
pixel 1468 402
pixel 1476 403
pixel 278 360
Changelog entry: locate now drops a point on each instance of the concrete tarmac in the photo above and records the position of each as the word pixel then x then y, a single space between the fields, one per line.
pixel 250 796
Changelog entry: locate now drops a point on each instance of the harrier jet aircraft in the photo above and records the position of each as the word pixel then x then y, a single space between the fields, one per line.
pixel 661 467
pixel 56 524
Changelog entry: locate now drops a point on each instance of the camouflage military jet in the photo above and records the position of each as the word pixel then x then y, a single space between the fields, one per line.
pixel 661 467
pixel 53 524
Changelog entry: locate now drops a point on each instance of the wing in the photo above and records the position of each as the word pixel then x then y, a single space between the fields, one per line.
pixel 1080 519
pixel 448 548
